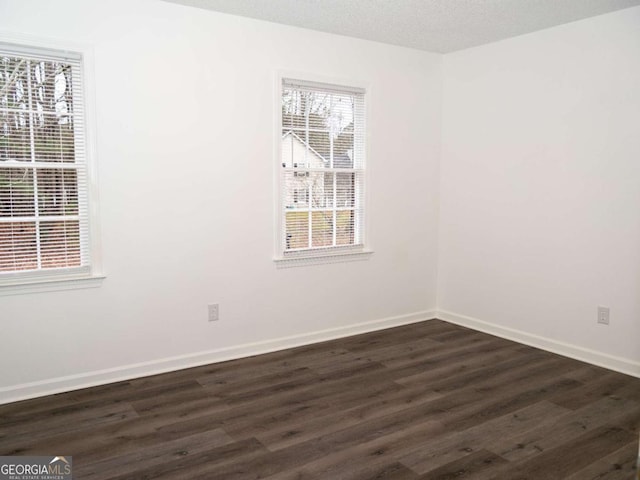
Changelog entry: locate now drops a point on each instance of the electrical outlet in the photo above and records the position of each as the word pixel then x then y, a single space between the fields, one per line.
pixel 603 315
pixel 213 312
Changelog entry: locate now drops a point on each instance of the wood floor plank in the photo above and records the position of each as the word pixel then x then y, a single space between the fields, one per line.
pixel 620 465
pixel 454 445
pixel 469 466
pixel 233 375
pixel 35 406
pixel 294 413
pixel 484 410
pixel 393 336
pixel 287 433
pixel 307 399
pixel 16 431
pixel 392 471
pixel 552 433
pixel 463 366
pixel 570 457
pixel 500 372
pixel 199 465
pixel 446 352
pixel 605 386
pixel 429 400
pixel 363 458
pixel 134 460
pixel 302 453
pixel 97 442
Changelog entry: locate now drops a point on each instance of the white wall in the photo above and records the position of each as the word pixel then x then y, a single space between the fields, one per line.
pixel 540 205
pixel 187 193
pixel 539 208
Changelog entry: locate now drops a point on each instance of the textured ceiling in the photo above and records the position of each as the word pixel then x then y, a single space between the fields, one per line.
pixel 433 25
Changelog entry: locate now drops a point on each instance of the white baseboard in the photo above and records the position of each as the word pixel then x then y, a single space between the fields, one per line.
pixel 25 391
pixel 618 364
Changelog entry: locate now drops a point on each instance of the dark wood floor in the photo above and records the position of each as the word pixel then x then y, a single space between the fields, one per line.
pixel 425 401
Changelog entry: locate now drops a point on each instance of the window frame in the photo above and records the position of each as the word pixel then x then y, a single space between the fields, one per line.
pixel 318 255
pixel 90 276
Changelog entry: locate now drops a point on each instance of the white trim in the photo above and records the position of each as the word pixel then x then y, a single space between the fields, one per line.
pixel 50 281
pixel 51 386
pixel 93 190
pixel 52 284
pixel 611 362
pixel 319 259
pixel 315 80
pixel 25 391
pixel 50 44
pixel 277 162
pixel 322 86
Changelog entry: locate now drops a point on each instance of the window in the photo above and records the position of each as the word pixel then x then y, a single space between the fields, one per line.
pixel 44 211
pixel 321 169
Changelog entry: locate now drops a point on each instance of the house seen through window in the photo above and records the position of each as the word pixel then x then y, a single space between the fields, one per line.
pixel 43 179
pixel 322 168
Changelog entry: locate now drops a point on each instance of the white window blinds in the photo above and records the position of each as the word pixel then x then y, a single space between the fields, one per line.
pixel 322 168
pixel 44 226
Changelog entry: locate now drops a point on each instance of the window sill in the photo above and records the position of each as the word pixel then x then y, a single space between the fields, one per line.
pixel 51 285
pixel 319 259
